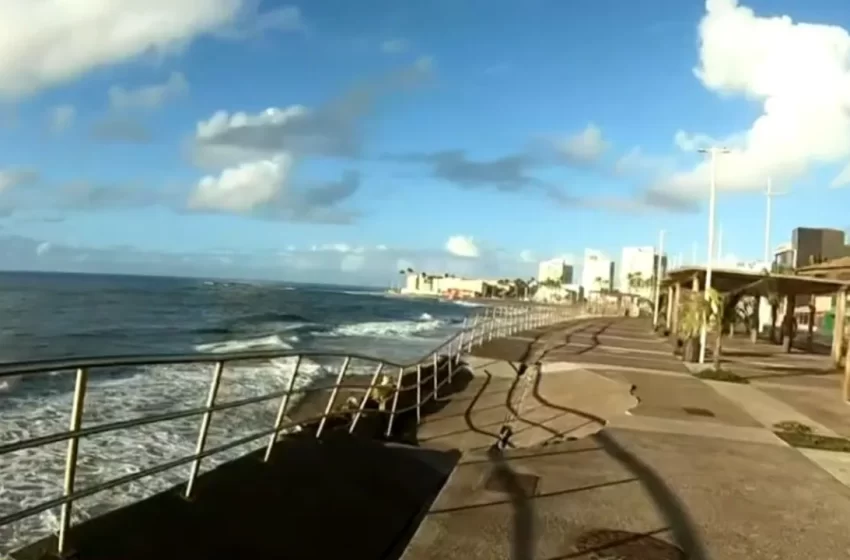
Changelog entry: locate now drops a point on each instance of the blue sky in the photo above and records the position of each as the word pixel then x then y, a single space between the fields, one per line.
pixel 467 136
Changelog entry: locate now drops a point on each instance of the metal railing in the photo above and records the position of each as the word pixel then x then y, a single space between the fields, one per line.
pixel 387 382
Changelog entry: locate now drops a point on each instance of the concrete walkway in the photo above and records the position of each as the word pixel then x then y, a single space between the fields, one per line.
pixel 683 468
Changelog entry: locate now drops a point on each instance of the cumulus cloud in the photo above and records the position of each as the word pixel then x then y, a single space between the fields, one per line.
pixel 527 256
pixel 584 148
pixel 61 118
pixel 798 72
pixel 331 130
pixel 150 96
pixel 462 246
pixel 243 188
pixel 262 189
pixel 47 42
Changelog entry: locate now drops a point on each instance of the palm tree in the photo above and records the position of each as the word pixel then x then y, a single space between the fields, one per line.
pixel 694 310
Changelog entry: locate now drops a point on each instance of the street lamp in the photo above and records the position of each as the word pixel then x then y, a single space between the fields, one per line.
pixel 657 286
pixel 712 196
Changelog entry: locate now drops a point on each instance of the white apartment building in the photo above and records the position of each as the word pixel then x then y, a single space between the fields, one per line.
pixel 638 263
pixel 597 271
pixel 555 269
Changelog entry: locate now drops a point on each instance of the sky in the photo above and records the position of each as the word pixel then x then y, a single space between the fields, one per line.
pixel 343 141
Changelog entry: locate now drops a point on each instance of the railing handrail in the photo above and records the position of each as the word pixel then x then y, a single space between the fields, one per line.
pixel 26 367
pixel 503 321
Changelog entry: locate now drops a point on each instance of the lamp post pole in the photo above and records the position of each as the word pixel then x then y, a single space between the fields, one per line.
pixel 658 279
pixel 712 202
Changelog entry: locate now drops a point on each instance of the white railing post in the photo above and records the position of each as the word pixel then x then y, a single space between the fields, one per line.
pixel 436 378
pixel 372 383
pixel 332 399
pixel 281 410
pixel 205 426
pixel 418 393
pixel 71 457
pixel 395 401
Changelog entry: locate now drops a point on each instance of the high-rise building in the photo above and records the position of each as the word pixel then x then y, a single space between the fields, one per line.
pixel 814 245
pixel 637 270
pixel 555 269
pixel 597 271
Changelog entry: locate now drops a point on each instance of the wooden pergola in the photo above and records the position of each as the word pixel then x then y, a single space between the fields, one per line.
pixel 788 286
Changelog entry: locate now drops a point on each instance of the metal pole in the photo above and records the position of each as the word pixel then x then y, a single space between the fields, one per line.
pixel 205 426
pixel 334 393
pixel 281 411
pixel 658 278
pixel 767 222
pixel 712 200
pixel 71 457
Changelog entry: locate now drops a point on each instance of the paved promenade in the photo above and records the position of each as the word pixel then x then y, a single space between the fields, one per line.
pixel 620 452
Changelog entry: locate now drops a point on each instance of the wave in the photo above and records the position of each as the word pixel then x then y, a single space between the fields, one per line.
pixel 135 392
pixel 467 303
pixel 390 329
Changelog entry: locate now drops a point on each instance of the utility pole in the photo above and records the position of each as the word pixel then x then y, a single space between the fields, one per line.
pixel 712 202
pixel 658 278
pixel 768 205
pixel 720 245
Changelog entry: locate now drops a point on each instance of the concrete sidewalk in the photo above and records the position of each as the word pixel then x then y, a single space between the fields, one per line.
pixel 687 469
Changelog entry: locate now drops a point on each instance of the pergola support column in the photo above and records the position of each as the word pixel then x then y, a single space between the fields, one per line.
pixel 838 328
pixel 787 320
pixel 677 301
pixel 810 335
pixel 668 319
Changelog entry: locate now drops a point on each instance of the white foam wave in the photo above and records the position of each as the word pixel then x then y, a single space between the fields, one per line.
pixel 467 303
pixel 42 407
pixel 385 329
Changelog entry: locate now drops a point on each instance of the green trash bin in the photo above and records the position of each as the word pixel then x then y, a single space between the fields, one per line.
pixel 828 322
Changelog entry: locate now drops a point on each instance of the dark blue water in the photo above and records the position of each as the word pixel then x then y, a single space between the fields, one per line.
pixel 62 315
pixel 45 316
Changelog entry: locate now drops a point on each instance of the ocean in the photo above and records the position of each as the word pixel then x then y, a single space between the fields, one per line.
pixel 47 316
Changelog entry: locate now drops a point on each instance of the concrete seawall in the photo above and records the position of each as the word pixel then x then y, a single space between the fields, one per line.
pixel 345 495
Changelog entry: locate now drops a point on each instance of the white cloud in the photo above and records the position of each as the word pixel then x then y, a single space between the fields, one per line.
pixel 62 118
pixel 10 178
pixel 285 18
pixel 42 248
pixel 799 72
pixel 526 256
pixel 243 188
pixel 210 151
pixel 394 46
pixel 462 246
pixel 585 147
pixel 150 96
pixel 47 42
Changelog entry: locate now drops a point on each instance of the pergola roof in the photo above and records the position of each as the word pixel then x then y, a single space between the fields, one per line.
pixel 727 280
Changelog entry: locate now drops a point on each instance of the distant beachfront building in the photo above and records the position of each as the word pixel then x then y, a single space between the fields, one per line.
pixel 555 269
pixel 429 285
pixel 597 272
pixel 637 270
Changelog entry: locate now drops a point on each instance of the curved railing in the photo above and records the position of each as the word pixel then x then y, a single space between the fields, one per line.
pixel 388 381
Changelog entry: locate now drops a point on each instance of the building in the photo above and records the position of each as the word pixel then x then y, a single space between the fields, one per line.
pixel 784 258
pixel 816 245
pixel 597 272
pixel 423 284
pixel 555 269
pixel 637 270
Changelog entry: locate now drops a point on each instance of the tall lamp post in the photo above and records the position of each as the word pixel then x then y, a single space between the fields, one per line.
pixel 658 280
pixel 712 196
